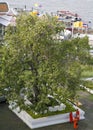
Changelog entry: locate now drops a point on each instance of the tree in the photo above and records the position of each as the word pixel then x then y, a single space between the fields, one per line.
pixel 35 64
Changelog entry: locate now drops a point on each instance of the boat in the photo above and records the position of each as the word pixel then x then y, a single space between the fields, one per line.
pixel 7 17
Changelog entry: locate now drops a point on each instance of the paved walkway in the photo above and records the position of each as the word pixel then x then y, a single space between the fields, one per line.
pixel 8 120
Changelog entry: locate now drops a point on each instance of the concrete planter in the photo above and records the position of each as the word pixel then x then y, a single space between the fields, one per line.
pixel 45 121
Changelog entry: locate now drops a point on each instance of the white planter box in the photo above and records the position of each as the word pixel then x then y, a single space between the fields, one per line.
pixel 58 108
pixel 45 121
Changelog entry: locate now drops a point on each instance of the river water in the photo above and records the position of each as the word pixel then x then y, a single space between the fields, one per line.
pixel 84 8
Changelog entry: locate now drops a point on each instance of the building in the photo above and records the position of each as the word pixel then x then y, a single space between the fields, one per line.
pixel 7 17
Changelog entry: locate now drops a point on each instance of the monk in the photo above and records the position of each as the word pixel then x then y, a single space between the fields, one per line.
pixel 78 114
pixel 71 117
pixel 75 121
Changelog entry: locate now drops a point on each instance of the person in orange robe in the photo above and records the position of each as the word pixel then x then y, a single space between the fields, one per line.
pixel 75 121
pixel 78 114
pixel 71 117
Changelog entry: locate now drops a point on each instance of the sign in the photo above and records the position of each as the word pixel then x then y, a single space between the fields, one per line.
pixel 3 7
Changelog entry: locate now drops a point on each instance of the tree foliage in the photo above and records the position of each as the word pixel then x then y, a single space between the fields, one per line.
pixel 35 64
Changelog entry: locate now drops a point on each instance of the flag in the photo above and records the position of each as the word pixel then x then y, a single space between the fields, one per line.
pixel 40 6
pixel 34 13
pixel 78 24
pixel 85 25
pixel 36 5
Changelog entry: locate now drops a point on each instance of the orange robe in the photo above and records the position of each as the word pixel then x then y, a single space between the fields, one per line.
pixel 71 117
pixel 75 123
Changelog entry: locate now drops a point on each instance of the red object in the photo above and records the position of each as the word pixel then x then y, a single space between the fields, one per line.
pixel 71 117
pixel 75 123
pixel 77 114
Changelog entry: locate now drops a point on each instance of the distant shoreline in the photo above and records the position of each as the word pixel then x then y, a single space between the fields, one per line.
pixel 84 9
